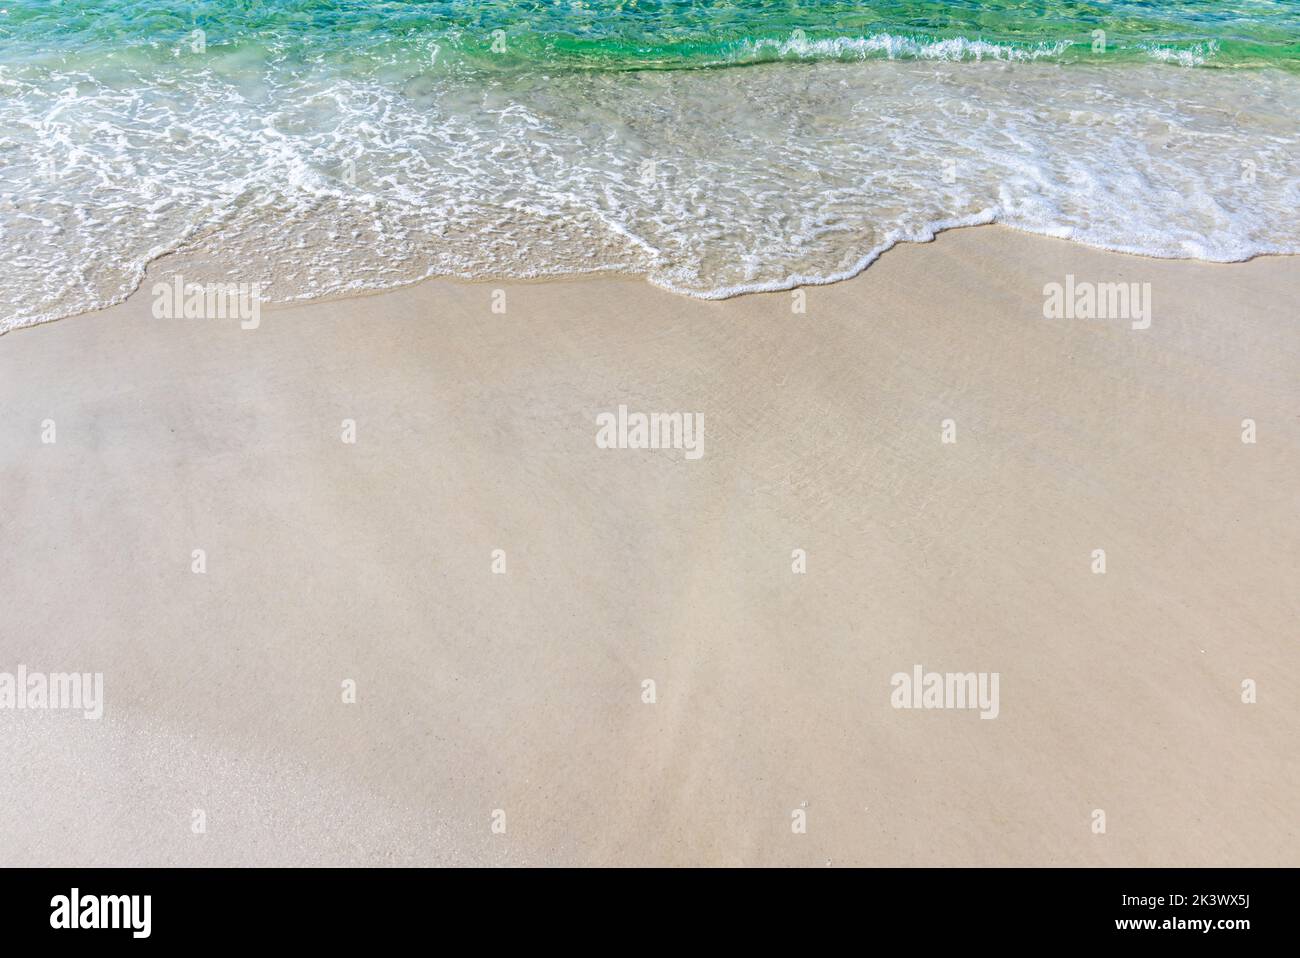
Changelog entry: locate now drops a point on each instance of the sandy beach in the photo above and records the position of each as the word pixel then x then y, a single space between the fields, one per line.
pixel 508 689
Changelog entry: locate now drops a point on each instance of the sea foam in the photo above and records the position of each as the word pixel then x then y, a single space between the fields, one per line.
pixel 313 179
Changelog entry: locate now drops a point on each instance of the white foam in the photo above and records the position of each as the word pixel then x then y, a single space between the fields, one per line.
pixel 896 47
pixel 324 183
pixel 1194 56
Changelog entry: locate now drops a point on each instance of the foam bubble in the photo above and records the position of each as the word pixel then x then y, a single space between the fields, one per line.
pixel 895 47
pixel 1194 56
pixel 317 180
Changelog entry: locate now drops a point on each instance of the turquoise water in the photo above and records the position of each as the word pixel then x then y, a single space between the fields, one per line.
pixel 716 148
pixel 640 34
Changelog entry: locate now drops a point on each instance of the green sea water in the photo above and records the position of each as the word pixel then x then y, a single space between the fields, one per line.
pixel 672 34
pixel 320 146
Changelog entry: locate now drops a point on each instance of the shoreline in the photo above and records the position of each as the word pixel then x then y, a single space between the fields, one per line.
pixel 868 261
pixel 523 691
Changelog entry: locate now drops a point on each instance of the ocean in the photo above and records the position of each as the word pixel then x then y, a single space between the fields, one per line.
pixel 318 147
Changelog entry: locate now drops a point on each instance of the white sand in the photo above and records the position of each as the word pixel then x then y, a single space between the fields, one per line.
pixel 522 692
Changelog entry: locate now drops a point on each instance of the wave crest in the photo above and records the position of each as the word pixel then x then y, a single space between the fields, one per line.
pixel 897 47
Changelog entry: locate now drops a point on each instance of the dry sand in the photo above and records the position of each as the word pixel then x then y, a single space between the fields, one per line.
pixel 522 691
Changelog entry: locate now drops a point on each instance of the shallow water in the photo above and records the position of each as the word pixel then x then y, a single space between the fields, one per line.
pixel 319 147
